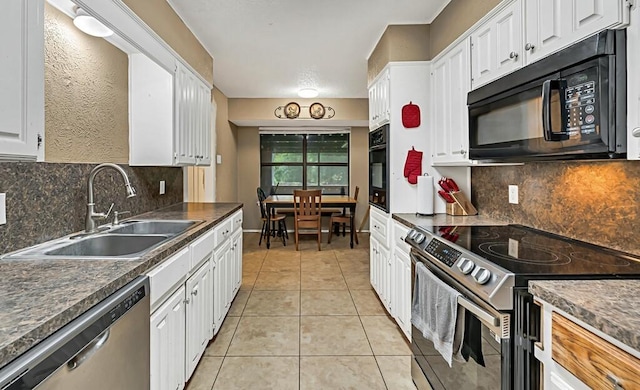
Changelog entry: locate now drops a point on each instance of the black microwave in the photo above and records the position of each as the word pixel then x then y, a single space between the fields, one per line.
pixel 569 105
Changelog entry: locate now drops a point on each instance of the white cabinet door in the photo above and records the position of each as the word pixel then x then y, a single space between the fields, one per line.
pixel 22 80
pixel 236 248
pixel 459 85
pixel 198 318
pixel 220 283
pixel 204 146
pixel 590 16
pixel 184 100
pixel 451 80
pixel 167 346
pixel 546 27
pixel 373 248
pixel 440 110
pixel 385 276
pixel 379 100
pixel 401 288
pixel 496 45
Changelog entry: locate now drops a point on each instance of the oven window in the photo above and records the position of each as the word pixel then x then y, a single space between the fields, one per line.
pixel 377 169
pixel 304 161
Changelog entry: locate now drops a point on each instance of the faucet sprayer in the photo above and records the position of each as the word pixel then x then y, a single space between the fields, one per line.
pixel 90 223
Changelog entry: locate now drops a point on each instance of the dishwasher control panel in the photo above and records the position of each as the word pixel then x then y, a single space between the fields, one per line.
pixel 127 303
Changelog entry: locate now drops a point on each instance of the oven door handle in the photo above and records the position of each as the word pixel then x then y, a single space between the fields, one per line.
pixel 485 317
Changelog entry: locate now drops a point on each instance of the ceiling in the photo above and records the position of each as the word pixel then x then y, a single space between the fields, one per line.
pixel 273 48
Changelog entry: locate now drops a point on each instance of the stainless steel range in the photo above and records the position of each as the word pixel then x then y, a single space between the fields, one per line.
pixel 491 266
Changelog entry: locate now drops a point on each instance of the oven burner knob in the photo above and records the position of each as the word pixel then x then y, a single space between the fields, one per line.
pixel 419 239
pixel 481 275
pixel 466 266
pixel 412 234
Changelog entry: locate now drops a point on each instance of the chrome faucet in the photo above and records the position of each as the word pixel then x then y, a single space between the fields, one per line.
pixel 90 223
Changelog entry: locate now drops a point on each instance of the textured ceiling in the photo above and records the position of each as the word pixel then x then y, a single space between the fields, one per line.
pixel 272 48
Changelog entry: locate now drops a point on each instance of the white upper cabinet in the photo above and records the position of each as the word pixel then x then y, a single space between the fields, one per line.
pixel 379 100
pixel 525 31
pixel 496 45
pixel 546 30
pixel 451 81
pixel 22 80
pixel 170 115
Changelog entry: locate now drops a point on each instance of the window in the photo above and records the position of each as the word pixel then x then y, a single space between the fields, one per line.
pixel 304 161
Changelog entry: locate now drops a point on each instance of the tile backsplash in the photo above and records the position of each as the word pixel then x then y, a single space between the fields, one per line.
pixel 597 202
pixel 46 200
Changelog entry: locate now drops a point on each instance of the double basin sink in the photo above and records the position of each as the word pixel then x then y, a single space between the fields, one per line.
pixel 128 241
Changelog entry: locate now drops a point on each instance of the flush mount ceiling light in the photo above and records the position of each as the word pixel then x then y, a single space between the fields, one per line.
pixel 308 93
pixel 90 25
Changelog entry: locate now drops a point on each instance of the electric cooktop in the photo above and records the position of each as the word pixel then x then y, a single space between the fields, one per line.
pixel 532 253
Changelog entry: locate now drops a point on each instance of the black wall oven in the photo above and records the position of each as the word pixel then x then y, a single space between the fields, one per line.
pixel 569 105
pixel 379 167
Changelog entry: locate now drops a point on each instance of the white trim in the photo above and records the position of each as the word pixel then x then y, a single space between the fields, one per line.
pixel 304 130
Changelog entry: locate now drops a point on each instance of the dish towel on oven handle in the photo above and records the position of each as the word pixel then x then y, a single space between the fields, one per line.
pixel 436 314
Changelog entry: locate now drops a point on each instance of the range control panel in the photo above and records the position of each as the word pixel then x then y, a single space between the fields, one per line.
pixel 442 252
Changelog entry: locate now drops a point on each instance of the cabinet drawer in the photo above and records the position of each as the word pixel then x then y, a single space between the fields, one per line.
pixel 399 233
pixel 237 220
pixel 590 358
pixel 223 231
pixel 379 228
pixel 202 247
pixel 166 275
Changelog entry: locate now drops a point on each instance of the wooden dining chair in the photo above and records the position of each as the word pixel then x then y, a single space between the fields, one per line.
pixel 276 218
pixel 307 213
pixel 344 218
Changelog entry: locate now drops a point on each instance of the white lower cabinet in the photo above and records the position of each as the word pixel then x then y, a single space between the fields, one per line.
pixel 221 283
pixel 401 279
pixel 168 343
pixel 380 261
pixel 199 315
pixel 191 293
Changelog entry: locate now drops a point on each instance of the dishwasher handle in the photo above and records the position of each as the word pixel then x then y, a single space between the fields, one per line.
pixel 89 350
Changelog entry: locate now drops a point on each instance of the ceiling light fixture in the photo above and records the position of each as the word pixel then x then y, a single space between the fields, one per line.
pixel 308 93
pixel 90 25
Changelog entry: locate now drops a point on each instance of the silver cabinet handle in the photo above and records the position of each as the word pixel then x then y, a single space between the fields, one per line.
pixel 615 382
pixel 529 47
pixel 186 301
pixel 513 55
pixel 195 291
pixel 636 132
pixel 89 350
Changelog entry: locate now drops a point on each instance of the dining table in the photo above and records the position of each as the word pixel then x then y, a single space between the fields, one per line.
pixel 326 201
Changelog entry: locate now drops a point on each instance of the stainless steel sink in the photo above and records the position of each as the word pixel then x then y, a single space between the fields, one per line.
pixel 153 227
pixel 108 245
pixel 128 241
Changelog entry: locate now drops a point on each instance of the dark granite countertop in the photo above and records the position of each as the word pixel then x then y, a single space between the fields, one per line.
pixel 413 220
pixel 610 306
pixel 38 297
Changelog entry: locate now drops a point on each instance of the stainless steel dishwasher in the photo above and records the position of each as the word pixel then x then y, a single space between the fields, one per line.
pixel 107 347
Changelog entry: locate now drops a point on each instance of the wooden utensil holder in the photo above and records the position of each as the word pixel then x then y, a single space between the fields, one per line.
pixel 462 205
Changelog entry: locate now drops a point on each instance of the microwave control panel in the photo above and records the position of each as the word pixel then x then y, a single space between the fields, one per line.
pixel 582 109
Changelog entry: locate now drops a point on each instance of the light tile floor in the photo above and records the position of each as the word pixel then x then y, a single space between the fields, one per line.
pixel 306 320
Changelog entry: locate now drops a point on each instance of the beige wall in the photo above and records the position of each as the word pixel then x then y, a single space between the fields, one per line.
pixel 399 43
pixel 249 173
pixel 86 84
pixel 456 18
pixel 86 95
pixel 263 109
pixel 227 177
pixel 159 15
